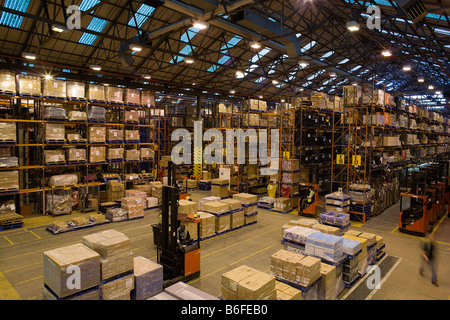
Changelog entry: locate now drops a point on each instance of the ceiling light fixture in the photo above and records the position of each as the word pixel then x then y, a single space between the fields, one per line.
pixel 96 67
pixel 333 74
pixel 58 28
pixel 28 55
pixel 260 97
pixel 255 45
pixel 232 91
pixel 386 53
pixel 354 83
pixel 438 92
pixel 189 60
pixel 352 26
pixel 239 74
pixel 303 63
pixel 406 68
pixel 430 87
pixel 282 101
pixel 275 82
pixel 135 47
pixel 200 24
pixel 48 77
pixel 421 80
pixel 146 76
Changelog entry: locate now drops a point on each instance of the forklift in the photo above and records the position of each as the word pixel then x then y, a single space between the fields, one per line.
pixel 180 260
pixel 304 206
pixel 416 207
pixel 434 200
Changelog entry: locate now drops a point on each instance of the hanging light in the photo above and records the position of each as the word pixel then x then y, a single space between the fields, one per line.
pixel 58 28
pixel 200 24
pixel 420 80
pixel 96 67
pixel 239 74
pixel 275 82
pixel 255 45
pixel 352 26
pixel 146 76
pixel 232 91
pixel 28 55
pixel 136 47
pixel 386 53
pixel 189 60
pixel 406 68
pixel 303 63
pixel 430 87
pixel 333 74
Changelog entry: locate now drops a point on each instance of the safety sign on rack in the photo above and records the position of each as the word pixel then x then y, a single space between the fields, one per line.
pixel 356 160
pixel 340 159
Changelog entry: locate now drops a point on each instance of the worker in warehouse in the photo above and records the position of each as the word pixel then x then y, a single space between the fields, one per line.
pixel 428 256
pixel 306 202
pixel 183 236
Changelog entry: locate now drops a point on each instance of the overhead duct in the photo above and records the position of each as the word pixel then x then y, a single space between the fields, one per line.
pixel 125 52
pixel 414 9
pixel 271 29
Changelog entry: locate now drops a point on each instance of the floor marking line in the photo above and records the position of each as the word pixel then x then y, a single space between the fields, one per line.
pixel 8 240
pixel 372 293
pixel 7 291
pixel 34 234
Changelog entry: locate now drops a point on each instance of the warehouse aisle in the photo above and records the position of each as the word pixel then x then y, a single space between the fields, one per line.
pixel 21 254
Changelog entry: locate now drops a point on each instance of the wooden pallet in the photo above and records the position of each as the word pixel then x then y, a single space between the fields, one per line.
pixel 10 218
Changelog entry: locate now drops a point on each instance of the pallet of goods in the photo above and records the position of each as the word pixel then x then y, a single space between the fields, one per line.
pixel 148 278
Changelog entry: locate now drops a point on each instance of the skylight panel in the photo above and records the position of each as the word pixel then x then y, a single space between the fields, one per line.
pixel 260 79
pixel 315 75
pixel 142 14
pixel 326 55
pixel 97 25
pixel 308 46
pixel 185 51
pixel 87 4
pixel 355 68
pixel 224 49
pixel 13 20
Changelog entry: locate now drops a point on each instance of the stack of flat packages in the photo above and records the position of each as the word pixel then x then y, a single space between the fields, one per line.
pixel 206 200
pixel 8 132
pixel 151 202
pixel 250 204
pixel 286 292
pixel 157 192
pixel 371 246
pixel 97 154
pixel 324 246
pixel 183 291
pixel 222 215
pixel 282 204
pixel 207 224
pixel 337 202
pixel 327 285
pixel 289 224
pixel 245 283
pixel 327 229
pixel 132 155
pixel 54 132
pixel 220 188
pixel 114 190
pixel 336 219
pixel 116 261
pixel 362 256
pixel 237 212
pixel 296 236
pixel 59 266
pixel 350 271
pixel 134 206
pixel 116 214
pixel 306 222
pixel 148 278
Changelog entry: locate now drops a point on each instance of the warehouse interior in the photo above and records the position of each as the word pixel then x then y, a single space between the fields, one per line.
pixel 224 150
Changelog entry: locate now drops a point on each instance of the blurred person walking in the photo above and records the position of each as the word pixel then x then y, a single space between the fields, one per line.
pixel 428 257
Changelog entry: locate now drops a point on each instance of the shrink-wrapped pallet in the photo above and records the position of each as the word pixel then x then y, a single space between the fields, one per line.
pixel 232 203
pixel 327 229
pixel 207 224
pixel 147 98
pixel 55 113
pixel 75 137
pixel 75 90
pixel 114 94
pixel 325 246
pixel 132 96
pixel 148 278
pixel 134 206
pixel 59 266
pixel 237 219
pixel 115 153
pixel 132 135
pixel 116 214
pixel 63 180
pixel 30 85
pixel 7 81
pixel 220 191
pixel 297 233
pixel 6 162
pixel 95 113
pixel 118 289
pixel 97 154
pixel 223 222
pixel 151 202
pixel 187 207
pixel 8 131
pixel 131 116
pixel 96 92
pixel 77 116
pixel 54 132
pixel 132 155
pixel 97 134
pixel 202 201
pixel 147 153
pixel 245 198
pixel 54 156
pixel 216 207
pixel 114 135
pixel 54 88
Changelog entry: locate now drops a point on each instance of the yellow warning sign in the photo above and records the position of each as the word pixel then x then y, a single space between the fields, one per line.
pixel 356 160
pixel 340 159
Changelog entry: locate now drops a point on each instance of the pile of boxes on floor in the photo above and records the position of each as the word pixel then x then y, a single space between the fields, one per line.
pixel 219 215
pixel 345 254
pixel 108 270
pixel 357 201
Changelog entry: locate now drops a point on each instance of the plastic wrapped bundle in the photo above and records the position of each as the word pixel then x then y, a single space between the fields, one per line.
pixel 77 116
pixel 75 90
pixel 290 164
pixel 54 88
pixel 9 180
pixel 114 135
pixel 134 206
pixel 147 98
pixel 54 132
pixel 132 96
pixel 246 198
pixel 147 153
pixel 297 234
pixel 55 113
pixel 116 214
pixel 97 134
pixel 132 135
pixel 351 247
pixel 359 192
pixel 115 153
pixel 6 162
pixel 132 155
pixel 132 116
pixel 76 155
pixel 63 180
pixel 114 94
pixel 7 131
pixel 207 224
pixel 57 273
pixel 97 154
pixel 30 85
pixel 335 218
pixel 216 208
pixel 96 114
pixel 54 156
pixel 148 278
pixel 202 201
pixel 326 246
pixel 337 202
pixel 96 92
pixel 59 203
pixel 7 81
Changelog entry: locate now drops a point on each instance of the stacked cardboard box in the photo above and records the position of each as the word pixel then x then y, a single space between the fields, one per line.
pixel 77 116
pixel 132 116
pixel 371 246
pixel 97 134
pixel 75 137
pixel 286 292
pixel 116 214
pixel 96 92
pixel 59 266
pixel 157 191
pixel 207 224
pixel 75 90
pixel 148 278
pixel 134 206
pixel 7 131
pixel 192 227
pixel 237 212
pixel 151 202
pixel 187 207
pixel 327 285
pixel 362 256
pixel 147 153
pixel 54 131
pixel 116 260
pixel 114 94
pixel 352 95
pixel 297 233
pixel 54 88
pixel 147 98
pixel 327 229
pixel 30 85
pixel 114 190
pixel 54 156
pixel 245 283
pixel 97 154
pixel 132 155
pixel 132 96
pixel 132 135
pixel 282 204
pixel 115 153
pixel 202 201
pixel 220 188
pixel 7 81
pixel 114 135
pixel 246 198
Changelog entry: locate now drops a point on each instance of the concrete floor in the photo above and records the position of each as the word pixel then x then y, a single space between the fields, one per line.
pixel 21 252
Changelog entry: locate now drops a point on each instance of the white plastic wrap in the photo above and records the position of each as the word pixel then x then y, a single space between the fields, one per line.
pixel 96 114
pixel 9 162
pixel 7 131
pixel 55 113
pixel 63 180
